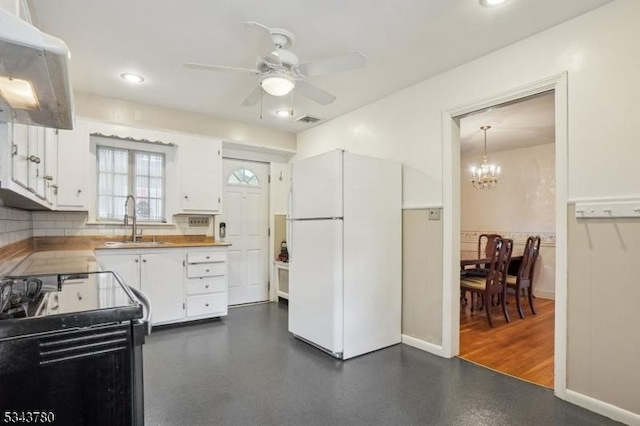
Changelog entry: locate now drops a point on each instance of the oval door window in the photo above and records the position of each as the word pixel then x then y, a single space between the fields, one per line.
pixel 244 177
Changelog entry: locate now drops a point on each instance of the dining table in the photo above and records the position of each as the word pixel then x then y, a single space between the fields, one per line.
pixel 471 258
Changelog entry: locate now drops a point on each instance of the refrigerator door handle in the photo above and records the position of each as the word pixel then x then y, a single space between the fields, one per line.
pixel 290 242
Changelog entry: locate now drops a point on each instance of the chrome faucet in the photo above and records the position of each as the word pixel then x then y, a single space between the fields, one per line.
pixel 134 227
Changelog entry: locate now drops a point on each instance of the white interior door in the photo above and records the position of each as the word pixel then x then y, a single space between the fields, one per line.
pixel 246 214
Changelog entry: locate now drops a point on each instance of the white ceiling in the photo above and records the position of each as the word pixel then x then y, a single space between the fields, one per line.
pixel 521 124
pixel 404 42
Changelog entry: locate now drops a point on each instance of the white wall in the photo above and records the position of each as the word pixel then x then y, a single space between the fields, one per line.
pixel 598 50
pixel 523 201
pixel 136 114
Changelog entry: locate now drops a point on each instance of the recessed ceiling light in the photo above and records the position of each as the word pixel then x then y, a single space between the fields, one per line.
pixel 283 113
pixel 491 3
pixel 132 78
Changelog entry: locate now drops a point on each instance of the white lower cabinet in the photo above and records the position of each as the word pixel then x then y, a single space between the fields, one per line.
pixel 206 278
pixel 161 280
pixel 178 290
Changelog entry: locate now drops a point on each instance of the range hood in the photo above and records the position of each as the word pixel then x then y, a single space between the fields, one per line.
pixel 34 75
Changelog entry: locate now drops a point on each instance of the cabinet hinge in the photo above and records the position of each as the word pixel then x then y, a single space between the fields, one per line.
pixel 14 150
pixel 218 152
pixel 183 264
pixel 218 200
pixel 183 306
pixel 269 179
pixel 268 232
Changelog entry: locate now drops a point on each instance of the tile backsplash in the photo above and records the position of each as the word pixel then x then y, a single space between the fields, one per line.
pixel 56 224
pixel 15 225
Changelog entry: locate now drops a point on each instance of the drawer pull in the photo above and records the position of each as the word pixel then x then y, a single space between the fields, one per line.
pixel 206 286
pixel 208 257
pixel 206 304
pixel 207 270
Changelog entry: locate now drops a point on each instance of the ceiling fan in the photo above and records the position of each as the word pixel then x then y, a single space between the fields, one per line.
pixel 279 69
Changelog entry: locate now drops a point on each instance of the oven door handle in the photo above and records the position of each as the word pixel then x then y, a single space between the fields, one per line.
pixel 146 303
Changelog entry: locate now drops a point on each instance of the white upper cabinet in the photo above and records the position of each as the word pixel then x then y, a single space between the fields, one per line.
pixel 73 169
pixel 19 144
pixel 200 170
pixel 24 159
pixel 50 166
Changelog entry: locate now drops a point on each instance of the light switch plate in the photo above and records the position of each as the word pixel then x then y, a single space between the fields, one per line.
pixel 434 214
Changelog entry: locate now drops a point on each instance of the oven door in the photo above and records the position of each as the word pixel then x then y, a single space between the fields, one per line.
pixel 77 377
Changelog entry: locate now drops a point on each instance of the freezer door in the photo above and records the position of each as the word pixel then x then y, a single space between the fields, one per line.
pixel 316 185
pixel 316 284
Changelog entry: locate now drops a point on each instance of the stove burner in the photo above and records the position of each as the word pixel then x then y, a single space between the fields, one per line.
pixel 15 296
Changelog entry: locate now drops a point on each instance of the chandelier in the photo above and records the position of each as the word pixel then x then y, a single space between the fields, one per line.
pixel 486 176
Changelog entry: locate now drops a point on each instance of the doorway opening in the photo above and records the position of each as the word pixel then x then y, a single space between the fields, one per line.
pixel 451 217
pixel 520 140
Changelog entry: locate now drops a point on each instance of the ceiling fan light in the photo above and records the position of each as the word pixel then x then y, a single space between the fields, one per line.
pixel 491 3
pixel 277 85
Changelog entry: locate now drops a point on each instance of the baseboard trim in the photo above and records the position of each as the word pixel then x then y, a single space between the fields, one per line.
pixel 545 294
pixel 604 408
pixel 423 345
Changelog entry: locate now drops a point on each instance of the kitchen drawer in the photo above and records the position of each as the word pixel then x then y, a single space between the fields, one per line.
pixel 207 305
pixel 207 257
pixel 206 269
pixel 207 285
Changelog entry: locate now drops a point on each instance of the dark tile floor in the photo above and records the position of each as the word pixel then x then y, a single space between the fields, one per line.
pixel 248 370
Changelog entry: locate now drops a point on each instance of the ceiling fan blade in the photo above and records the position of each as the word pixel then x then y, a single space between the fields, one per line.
pixel 266 49
pixel 218 68
pixel 253 98
pixel 348 61
pixel 313 93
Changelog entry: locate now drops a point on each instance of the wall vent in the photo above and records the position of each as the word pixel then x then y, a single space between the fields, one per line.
pixel 308 119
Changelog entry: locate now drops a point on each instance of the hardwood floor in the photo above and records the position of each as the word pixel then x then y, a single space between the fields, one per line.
pixel 522 348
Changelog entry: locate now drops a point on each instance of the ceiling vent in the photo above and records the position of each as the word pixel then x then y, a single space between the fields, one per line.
pixel 308 119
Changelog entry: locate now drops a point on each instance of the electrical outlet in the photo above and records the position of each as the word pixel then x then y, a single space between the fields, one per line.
pixel 199 221
pixel 434 214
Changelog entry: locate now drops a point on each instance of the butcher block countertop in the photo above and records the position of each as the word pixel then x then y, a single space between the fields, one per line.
pixel 59 255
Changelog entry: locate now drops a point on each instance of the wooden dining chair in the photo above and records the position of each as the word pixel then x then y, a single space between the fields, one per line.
pixel 486 245
pixel 523 281
pixel 495 281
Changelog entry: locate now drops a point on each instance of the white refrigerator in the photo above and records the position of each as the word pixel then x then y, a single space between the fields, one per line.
pixel 345 247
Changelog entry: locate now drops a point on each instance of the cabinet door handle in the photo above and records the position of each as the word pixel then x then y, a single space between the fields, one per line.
pixel 48 177
pixel 206 270
pixel 206 304
pixel 207 257
pixel 206 286
pixel 136 260
pixel 34 159
pixel 144 260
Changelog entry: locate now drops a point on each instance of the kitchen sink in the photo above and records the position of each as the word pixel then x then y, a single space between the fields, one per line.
pixel 116 244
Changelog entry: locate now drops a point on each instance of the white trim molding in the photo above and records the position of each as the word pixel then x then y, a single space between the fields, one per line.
pixel 604 408
pixel 422 207
pixel 423 345
pixel 451 216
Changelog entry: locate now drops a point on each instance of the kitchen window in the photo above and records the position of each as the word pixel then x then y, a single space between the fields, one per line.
pixel 126 171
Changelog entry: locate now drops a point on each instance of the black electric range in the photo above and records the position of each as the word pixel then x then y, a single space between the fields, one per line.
pixel 71 348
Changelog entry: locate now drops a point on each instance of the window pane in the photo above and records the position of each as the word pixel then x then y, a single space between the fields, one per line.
pixel 115 182
pixel 242 177
pixel 113 166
